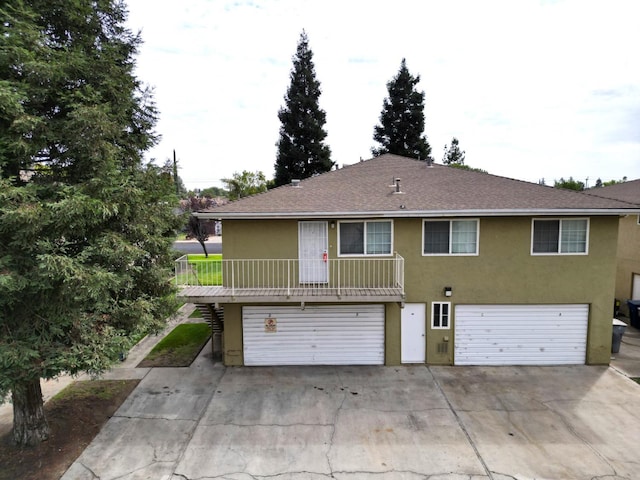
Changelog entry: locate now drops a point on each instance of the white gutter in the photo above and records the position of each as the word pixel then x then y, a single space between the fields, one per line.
pixel 422 213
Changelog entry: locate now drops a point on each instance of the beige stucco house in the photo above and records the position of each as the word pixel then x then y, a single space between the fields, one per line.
pixel 393 261
pixel 628 256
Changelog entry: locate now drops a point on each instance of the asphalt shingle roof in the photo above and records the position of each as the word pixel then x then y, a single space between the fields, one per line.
pixel 626 191
pixel 368 188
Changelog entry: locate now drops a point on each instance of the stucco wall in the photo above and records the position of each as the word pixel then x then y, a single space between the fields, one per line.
pixel 232 344
pixel 504 272
pixel 246 239
pixel 628 262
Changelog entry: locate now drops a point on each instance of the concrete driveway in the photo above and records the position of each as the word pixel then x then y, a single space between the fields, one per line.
pixel 417 422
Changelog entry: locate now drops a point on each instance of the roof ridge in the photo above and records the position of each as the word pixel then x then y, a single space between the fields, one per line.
pixel 634 204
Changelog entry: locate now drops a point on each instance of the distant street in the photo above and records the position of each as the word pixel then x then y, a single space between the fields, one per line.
pixel 214 245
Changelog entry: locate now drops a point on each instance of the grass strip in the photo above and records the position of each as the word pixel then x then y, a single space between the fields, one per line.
pixel 180 347
pixel 203 271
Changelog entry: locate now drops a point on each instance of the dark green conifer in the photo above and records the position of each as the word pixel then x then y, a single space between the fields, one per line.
pixel 86 228
pixel 402 122
pixel 301 149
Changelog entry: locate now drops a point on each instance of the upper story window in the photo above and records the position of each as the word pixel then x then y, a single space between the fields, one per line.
pixel 365 237
pixel 560 236
pixel 450 237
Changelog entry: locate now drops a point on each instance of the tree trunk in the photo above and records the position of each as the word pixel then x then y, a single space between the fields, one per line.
pixel 30 426
pixel 204 247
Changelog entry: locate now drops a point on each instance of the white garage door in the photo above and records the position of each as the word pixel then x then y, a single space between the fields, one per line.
pixel 521 334
pixel 317 335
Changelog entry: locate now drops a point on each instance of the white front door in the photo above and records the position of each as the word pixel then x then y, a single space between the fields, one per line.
pixel 635 292
pixel 412 335
pixel 313 244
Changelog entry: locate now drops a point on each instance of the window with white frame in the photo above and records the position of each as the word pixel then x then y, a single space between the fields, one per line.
pixel 450 237
pixel 560 236
pixel 365 237
pixel 440 313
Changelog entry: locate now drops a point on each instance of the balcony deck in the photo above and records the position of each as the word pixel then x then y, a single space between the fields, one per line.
pixel 368 280
pixel 205 294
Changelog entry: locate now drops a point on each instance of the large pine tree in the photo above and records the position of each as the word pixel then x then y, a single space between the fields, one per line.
pixel 301 149
pixel 85 226
pixel 401 128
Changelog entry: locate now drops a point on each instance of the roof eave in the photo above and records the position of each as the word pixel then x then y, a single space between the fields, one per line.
pixel 420 213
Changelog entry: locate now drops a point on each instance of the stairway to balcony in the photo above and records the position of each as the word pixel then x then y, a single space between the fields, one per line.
pixel 212 315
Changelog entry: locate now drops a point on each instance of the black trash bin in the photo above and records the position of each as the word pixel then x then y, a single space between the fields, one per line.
pixel 634 305
pixel 618 331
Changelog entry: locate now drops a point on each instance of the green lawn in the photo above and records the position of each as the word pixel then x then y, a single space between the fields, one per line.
pixel 200 257
pixel 208 270
pixel 180 347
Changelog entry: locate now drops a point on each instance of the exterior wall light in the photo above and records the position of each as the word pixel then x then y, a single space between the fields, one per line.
pixel 447 291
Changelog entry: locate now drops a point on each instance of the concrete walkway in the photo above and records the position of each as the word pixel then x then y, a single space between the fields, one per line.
pixel 347 423
pixel 627 360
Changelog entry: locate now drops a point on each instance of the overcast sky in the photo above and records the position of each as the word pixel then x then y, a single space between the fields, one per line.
pixel 531 89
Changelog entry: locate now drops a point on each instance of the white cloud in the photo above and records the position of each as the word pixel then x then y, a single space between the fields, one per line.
pixel 530 89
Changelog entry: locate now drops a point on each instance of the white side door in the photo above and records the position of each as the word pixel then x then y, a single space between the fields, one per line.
pixel 412 333
pixel 635 292
pixel 313 245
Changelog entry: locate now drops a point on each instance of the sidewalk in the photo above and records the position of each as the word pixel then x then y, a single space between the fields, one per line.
pixel 122 371
pixel 627 360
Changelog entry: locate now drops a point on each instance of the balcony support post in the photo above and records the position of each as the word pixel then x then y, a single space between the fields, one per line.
pixel 233 278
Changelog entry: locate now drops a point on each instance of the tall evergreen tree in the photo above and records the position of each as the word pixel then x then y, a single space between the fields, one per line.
pixel 453 155
pixel 85 227
pixel 401 128
pixel 301 149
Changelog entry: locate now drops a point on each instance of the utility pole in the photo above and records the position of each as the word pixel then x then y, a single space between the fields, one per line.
pixel 175 173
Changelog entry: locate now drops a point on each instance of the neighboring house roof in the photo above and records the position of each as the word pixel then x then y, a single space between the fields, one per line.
pixel 625 191
pixel 367 189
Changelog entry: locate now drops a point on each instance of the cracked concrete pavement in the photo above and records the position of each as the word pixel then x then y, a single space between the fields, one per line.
pixel 411 422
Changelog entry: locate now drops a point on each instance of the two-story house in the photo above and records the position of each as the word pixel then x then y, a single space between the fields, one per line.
pixel 392 261
pixel 628 257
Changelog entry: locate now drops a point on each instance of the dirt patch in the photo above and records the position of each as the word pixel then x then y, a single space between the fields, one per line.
pixel 75 417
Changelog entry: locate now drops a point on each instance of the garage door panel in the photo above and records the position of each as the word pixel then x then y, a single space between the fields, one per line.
pixel 317 335
pixel 520 334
